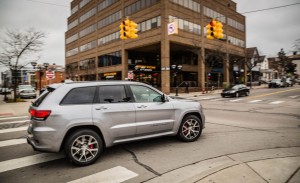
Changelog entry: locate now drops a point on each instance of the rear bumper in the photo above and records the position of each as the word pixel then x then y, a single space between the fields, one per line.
pixel 43 139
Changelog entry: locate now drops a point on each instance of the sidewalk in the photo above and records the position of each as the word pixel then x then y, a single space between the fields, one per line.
pixel 13 109
pixel 260 166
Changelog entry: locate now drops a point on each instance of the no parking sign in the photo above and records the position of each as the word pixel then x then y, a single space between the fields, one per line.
pixel 172 28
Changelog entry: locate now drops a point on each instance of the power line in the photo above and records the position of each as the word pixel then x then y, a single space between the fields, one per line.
pixel 277 7
pixel 41 2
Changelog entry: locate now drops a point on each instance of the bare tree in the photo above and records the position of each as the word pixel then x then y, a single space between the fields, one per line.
pixel 251 61
pixel 18 50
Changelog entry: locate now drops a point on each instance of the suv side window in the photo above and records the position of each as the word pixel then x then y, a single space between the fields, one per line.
pixel 112 94
pixel 83 95
pixel 145 94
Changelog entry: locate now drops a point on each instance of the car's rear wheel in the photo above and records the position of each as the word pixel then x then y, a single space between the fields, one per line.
pixel 83 147
pixel 190 128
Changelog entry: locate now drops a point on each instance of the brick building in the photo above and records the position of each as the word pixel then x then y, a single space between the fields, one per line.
pixel 94 50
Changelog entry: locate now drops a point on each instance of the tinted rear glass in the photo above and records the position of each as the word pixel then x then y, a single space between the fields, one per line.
pixel 38 101
pixel 83 95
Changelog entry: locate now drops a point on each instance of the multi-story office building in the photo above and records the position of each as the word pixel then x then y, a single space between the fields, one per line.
pixel 94 50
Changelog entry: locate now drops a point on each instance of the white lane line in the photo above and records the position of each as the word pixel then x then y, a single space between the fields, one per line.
pixel 236 100
pixel 206 98
pixel 294 96
pixel 13 122
pixel 13 129
pixel 277 102
pixel 16 117
pixel 217 99
pixel 113 175
pixel 28 161
pixel 12 142
pixel 254 101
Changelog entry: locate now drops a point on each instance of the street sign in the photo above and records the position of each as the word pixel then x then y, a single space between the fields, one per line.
pixel 50 74
pixel 172 28
pixel 130 75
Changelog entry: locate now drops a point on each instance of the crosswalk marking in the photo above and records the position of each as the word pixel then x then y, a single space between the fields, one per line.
pixel 218 99
pixel 12 142
pixel 294 96
pixel 13 122
pixel 236 100
pixel 113 175
pixel 254 101
pixel 28 161
pixel 13 129
pixel 277 102
pixel 15 117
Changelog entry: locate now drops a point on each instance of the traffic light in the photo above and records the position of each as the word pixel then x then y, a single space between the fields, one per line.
pixel 210 30
pixel 123 34
pixel 218 30
pixel 128 29
pixel 133 29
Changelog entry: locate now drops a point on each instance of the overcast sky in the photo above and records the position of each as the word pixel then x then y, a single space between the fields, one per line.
pixel 268 30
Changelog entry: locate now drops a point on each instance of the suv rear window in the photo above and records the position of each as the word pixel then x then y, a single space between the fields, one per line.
pixel 38 101
pixel 83 95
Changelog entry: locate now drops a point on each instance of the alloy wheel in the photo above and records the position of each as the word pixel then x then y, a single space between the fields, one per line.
pixel 191 128
pixel 84 148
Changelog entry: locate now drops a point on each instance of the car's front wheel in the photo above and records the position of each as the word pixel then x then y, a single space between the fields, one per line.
pixel 190 128
pixel 83 147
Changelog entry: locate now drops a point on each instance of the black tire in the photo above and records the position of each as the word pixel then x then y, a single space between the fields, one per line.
pixel 237 94
pixel 247 93
pixel 190 128
pixel 77 149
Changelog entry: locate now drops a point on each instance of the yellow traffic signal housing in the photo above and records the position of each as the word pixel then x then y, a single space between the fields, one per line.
pixel 219 30
pixel 123 34
pixel 210 31
pixel 133 30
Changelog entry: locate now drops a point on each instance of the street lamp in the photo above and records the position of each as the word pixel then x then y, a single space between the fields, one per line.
pixel 5 86
pixel 41 70
pixel 176 69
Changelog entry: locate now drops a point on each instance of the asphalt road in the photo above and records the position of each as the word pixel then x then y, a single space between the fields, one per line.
pixel 268 119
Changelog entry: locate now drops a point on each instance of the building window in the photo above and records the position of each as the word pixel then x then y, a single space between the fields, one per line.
pixel 190 4
pixel 109 38
pixel 74 9
pixel 213 14
pixel 236 41
pixel 87 15
pixel 139 5
pixel 83 3
pixel 87 64
pixel 110 59
pixel 236 24
pixel 73 24
pixel 110 19
pixel 149 24
pixel 72 52
pixel 72 38
pixel 186 25
pixel 87 30
pixel 106 3
pixel 88 46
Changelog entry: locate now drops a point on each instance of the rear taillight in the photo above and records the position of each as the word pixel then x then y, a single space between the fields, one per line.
pixel 39 114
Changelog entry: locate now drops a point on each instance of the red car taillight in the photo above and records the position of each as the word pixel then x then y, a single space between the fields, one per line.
pixel 39 113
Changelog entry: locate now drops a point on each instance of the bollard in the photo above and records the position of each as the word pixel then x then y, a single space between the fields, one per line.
pixel 176 91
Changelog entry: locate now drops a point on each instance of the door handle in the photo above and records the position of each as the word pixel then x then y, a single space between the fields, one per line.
pixel 100 108
pixel 142 106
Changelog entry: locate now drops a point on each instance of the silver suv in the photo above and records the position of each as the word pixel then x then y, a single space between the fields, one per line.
pixel 82 118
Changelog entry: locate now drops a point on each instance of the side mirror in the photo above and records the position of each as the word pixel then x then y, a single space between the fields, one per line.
pixel 163 98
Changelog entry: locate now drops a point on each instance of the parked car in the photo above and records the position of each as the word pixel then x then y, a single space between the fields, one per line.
pixel 22 87
pixel 3 90
pixel 289 82
pixel 27 93
pixel 275 83
pixel 236 91
pixel 83 118
pixel 297 81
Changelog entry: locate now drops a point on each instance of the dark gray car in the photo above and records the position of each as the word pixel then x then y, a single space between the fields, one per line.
pixel 83 118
